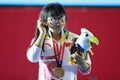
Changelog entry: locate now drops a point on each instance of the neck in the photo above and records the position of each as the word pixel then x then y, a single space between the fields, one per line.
pixel 56 36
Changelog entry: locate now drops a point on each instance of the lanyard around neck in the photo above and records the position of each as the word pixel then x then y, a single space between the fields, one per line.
pixel 59 52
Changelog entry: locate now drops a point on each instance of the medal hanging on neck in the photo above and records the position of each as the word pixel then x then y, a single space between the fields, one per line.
pixel 58 71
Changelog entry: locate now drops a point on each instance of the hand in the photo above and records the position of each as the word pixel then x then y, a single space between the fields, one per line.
pixel 41 27
pixel 78 59
pixel 83 65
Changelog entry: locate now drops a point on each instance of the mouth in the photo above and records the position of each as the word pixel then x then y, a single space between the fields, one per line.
pixel 55 26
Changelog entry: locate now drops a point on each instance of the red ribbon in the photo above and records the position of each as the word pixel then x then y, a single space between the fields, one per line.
pixel 58 53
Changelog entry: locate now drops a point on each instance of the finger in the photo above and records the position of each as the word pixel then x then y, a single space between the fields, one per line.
pixel 79 60
pixel 38 22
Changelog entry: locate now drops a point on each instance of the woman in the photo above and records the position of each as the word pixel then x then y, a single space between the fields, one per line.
pixel 50 47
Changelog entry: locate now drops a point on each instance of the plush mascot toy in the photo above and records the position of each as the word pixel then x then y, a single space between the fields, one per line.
pixel 82 45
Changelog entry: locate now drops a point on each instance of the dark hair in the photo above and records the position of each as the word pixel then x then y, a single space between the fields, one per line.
pixel 51 9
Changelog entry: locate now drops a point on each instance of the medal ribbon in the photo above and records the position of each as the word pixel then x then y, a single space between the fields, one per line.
pixel 59 52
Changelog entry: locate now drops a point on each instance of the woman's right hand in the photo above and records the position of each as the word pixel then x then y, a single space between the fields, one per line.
pixel 42 29
pixel 41 26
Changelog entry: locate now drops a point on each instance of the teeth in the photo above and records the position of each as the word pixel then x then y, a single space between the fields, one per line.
pixel 55 24
pixel 58 24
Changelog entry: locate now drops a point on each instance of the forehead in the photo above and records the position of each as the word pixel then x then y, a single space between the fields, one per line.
pixel 55 14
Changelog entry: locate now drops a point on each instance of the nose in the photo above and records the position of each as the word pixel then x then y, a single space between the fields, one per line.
pixel 55 20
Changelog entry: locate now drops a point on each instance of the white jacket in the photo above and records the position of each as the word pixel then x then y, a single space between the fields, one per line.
pixel 35 54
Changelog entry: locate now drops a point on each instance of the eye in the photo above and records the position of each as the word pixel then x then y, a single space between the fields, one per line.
pixel 86 34
pixel 50 18
pixel 60 16
pixel 53 18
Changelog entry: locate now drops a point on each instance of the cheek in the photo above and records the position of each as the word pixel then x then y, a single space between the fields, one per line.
pixel 49 22
pixel 63 26
pixel 63 19
pixel 64 23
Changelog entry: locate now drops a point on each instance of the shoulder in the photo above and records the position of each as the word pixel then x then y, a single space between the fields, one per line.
pixel 70 35
pixel 73 35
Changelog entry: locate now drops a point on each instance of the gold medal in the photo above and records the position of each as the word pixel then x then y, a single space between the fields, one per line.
pixel 58 72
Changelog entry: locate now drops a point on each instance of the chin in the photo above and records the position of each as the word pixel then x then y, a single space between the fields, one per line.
pixel 57 31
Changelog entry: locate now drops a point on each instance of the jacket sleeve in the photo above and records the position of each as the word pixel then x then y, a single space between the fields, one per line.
pixel 33 54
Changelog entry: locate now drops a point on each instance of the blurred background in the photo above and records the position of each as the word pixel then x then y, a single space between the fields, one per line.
pixel 18 20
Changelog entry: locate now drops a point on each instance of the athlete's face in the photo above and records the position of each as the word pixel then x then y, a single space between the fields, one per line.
pixel 56 23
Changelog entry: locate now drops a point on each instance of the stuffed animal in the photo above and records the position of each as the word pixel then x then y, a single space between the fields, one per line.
pixel 82 45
